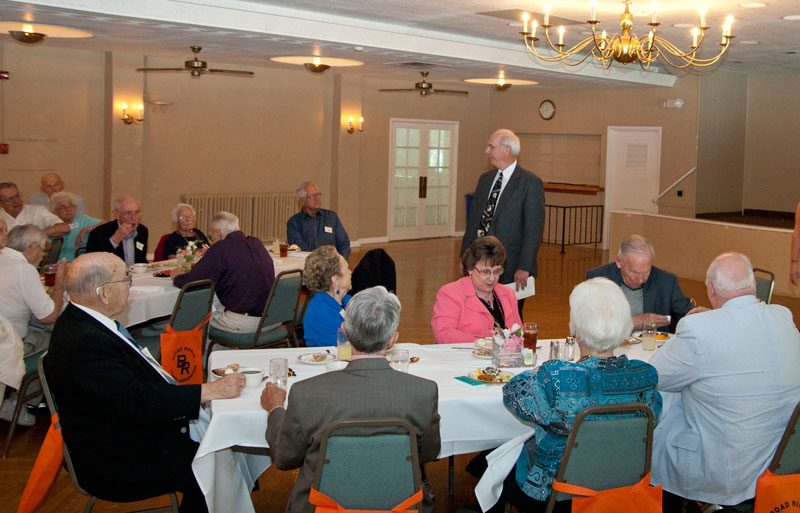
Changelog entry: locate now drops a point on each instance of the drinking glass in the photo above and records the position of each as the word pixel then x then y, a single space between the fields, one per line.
pixel 50 274
pixel 530 334
pixel 344 351
pixel 398 359
pixel 649 330
pixel 279 371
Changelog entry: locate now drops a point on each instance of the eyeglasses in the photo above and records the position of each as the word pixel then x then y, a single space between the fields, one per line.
pixel 495 146
pixel 11 199
pixel 128 279
pixel 185 218
pixel 486 272
pixel 132 213
pixel 65 207
pixel 315 196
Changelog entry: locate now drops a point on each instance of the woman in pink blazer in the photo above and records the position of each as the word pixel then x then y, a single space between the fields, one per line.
pixel 473 306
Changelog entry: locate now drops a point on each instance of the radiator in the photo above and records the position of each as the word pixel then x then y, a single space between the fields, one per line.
pixel 260 215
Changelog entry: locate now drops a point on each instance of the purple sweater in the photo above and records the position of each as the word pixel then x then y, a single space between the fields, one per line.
pixel 242 271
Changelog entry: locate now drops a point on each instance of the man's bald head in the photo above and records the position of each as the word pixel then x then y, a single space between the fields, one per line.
pixel 730 275
pixel 51 183
pixel 89 282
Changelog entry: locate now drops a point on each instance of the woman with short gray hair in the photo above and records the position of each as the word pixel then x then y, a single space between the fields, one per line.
pixel 185 220
pixel 551 398
pixel 64 204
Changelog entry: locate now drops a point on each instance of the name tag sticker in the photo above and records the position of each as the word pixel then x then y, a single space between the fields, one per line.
pixel 72 226
pixel 139 246
pixel 328 229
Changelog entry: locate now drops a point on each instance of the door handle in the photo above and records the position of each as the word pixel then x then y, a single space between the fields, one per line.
pixel 423 187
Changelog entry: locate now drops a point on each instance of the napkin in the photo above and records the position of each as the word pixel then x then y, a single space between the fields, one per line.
pixel 500 462
pixel 147 289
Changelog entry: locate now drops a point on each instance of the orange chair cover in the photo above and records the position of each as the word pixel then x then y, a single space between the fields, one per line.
pixel 45 469
pixel 325 504
pixel 777 493
pixel 641 498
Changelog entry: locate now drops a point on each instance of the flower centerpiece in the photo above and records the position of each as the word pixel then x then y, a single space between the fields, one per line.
pixel 507 347
pixel 188 255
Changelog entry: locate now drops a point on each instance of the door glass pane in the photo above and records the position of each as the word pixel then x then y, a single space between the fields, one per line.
pixel 413 156
pixel 402 137
pixel 400 157
pixel 444 158
pixel 413 137
pixel 399 176
pixel 442 218
pixel 433 138
pixel 433 158
pixel 444 139
pixel 399 198
pixel 411 217
pixel 399 217
pixel 443 195
pixel 411 177
pixel 430 215
pixel 444 175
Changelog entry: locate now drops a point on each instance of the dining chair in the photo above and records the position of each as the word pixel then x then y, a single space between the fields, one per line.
pixel 158 254
pixel 53 407
pixel 368 464
pixel 193 304
pixel 297 326
pixel 787 456
pixel 765 283
pixel 26 393
pixel 51 257
pixel 280 312
pixel 610 446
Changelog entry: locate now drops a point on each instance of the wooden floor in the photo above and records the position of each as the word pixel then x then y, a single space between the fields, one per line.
pixel 422 267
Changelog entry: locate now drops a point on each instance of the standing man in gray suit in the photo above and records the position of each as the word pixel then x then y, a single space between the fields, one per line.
pixel 367 387
pixel 509 204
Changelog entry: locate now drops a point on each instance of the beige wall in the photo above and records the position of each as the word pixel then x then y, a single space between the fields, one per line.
pixel 51 115
pixel 720 160
pixel 772 152
pixel 592 112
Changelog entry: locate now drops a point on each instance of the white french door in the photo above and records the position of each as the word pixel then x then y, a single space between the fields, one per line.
pixel 422 178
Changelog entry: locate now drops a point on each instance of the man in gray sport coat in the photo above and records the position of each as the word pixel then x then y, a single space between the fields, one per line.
pixel 367 387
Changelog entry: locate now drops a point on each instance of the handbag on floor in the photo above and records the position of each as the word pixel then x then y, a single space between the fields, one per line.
pixel 640 497
pixel 776 492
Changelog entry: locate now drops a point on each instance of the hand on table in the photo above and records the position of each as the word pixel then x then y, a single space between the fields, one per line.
pixel 640 320
pixel 521 279
pixel 272 397
pixel 226 387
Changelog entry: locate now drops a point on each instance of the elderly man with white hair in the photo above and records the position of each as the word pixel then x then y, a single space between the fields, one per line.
pixel 314 226
pixel 125 236
pixel 736 369
pixel 242 271
pixel 65 205
pixel 551 398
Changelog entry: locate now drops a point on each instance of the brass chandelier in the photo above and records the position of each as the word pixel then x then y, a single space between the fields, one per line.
pixel 624 47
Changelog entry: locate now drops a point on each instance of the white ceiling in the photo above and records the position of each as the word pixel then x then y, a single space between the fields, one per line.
pixel 456 37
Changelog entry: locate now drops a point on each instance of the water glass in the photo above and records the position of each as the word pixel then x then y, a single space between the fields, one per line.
pixel 398 359
pixel 649 330
pixel 279 371
pixel 344 351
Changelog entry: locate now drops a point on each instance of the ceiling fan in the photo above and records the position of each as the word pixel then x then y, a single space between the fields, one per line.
pixel 425 88
pixel 197 67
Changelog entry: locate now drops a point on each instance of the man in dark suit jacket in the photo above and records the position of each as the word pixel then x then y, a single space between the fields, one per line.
pixel 367 387
pixel 123 418
pixel 652 293
pixel 125 236
pixel 518 218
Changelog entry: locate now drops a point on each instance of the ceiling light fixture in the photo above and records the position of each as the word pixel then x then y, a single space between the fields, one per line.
pixel 791 17
pixel 28 35
pixel 625 47
pixel 315 64
pixel 752 5
pixel 501 83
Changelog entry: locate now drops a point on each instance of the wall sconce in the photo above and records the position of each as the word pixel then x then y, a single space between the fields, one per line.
pixel 672 103
pixel 128 118
pixel 351 129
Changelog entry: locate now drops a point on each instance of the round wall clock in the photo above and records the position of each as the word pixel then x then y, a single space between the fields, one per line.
pixel 547 110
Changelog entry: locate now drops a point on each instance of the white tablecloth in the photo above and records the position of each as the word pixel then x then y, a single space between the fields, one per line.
pixel 473 418
pixel 152 297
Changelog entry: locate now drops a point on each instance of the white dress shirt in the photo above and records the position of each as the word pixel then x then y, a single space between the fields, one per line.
pixel 31 214
pixel 21 291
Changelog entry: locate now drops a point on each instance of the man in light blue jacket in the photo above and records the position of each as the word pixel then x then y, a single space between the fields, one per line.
pixel 735 368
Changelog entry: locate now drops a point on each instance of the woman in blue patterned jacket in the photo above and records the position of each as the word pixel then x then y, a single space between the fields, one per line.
pixel 600 319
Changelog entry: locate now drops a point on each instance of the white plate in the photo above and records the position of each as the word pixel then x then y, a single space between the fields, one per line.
pixel 481 356
pixel 308 358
